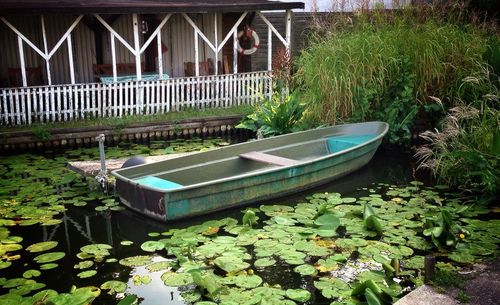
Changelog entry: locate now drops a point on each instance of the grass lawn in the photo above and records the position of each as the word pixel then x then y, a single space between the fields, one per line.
pixel 134 119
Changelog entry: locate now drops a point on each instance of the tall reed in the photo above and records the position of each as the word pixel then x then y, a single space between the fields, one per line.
pixel 352 73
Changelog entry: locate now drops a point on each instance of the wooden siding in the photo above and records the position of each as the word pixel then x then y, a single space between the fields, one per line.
pixel 24 106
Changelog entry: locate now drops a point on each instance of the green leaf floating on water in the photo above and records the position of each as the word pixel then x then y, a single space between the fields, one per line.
pixel 299 295
pixel 141 279
pixel 136 261
pixel 97 249
pixel 49 257
pixel 31 273
pixel 48 266
pixel 175 279
pixel 264 262
pixel 84 265
pixel 152 246
pixel 129 300
pixel 231 264
pixel 305 270
pixel 86 274
pixel 114 286
pixel 248 281
pixel 126 243
pixel 159 266
pixel 42 246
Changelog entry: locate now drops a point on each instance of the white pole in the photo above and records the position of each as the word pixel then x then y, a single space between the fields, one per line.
pixel 235 52
pixel 160 55
pixel 21 58
pixel 70 59
pixel 288 31
pixel 196 55
pixel 137 46
pixel 269 49
pixel 46 50
pixel 216 68
pixel 113 55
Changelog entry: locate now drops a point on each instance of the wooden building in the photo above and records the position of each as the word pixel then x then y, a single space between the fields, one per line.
pixel 75 59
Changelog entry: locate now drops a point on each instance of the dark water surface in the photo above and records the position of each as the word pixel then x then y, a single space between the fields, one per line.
pixel 83 225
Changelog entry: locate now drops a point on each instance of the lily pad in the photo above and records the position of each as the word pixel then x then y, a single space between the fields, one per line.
pixel 152 246
pixel 42 246
pixel 31 273
pixel 114 286
pixel 136 261
pixel 175 279
pixel 248 281
pixel 86 274
pixel 299 295
pixel 49 257
pixel 264 262
pixel 231 264
pixel 305 270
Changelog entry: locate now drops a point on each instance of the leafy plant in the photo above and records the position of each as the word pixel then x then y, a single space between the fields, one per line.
pixel 444 231
pixel 372 221
pixel 372 292
pixel 280 114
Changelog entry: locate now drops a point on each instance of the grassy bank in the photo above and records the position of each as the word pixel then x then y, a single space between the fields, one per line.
pixel 129 120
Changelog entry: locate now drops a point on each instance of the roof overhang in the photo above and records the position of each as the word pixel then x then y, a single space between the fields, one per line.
pixel 22 7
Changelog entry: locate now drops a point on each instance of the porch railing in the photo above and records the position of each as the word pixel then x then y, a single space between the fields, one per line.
pixel 24 106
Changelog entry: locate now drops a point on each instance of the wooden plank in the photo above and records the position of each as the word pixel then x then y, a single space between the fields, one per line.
pixel 269 49
pixel 65 103
pixel 29 113
pixel 269 159
pixel 120 100
pixel 46 49
pixel 100 93
pixel 126 104
pixel 71 105
pixel 147 100
pixel 93 99
pixel 168 98
pixel 71 60
pixel 21 60
pixel 138 71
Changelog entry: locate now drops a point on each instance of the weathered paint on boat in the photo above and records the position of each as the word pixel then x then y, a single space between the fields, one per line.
pixel 221 178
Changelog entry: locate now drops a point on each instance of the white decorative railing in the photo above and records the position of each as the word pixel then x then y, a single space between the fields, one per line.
pixel 24 106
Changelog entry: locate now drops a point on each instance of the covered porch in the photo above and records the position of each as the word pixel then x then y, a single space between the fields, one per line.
pixel 66 60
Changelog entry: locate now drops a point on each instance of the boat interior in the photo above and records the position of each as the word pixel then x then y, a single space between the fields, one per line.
pixel 250 162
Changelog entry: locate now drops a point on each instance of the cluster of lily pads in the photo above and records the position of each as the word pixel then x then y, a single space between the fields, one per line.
pixel 327 249
pixel 345 250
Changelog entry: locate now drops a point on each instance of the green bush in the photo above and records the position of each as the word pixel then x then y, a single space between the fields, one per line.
pixel 280 114
pixel 385 67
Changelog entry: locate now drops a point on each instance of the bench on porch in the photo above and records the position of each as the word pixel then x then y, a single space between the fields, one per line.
pixel 101 70
pixel 269 159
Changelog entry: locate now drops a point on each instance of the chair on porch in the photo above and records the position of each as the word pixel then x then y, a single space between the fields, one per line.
pixel 33 76
pixel 206 68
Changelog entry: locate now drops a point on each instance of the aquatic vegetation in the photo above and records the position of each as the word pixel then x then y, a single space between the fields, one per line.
pixel 322 243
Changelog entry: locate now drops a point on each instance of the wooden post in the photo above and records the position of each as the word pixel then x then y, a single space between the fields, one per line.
pixel 429 268
pixel 113 55
pixel 235 52
pixel 137 46
pixel 269 49
pixel 21 59
pixel 46 49
pixel 196 55
pixel 216 68
pixel 70 59
pixel 160 55
pixel 288 31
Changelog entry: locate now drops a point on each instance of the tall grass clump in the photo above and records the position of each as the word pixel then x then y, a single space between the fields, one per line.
pixel 465 151
pixel 385 66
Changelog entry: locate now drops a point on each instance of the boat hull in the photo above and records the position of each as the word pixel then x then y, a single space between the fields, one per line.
pixel 259 184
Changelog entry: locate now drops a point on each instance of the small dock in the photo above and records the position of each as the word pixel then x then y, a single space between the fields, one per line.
pixel 92 168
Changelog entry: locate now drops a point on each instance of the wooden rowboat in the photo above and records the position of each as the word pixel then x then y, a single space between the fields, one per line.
pixel 249 172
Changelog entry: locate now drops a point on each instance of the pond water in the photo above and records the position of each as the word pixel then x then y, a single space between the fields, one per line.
pixel 42 201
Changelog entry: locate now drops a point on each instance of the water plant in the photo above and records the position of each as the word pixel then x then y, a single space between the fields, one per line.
pixel 280 114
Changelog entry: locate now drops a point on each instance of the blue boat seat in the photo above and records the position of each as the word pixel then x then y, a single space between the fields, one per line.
pixel 158 183
pixel 336 144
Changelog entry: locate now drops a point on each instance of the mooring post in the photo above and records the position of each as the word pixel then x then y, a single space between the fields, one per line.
pixel 429 268
pixel 102 176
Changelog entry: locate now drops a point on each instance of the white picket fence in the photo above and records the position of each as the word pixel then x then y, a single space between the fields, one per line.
pixel 24 106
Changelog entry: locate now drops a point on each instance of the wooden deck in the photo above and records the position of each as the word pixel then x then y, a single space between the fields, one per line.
pixel 92 168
